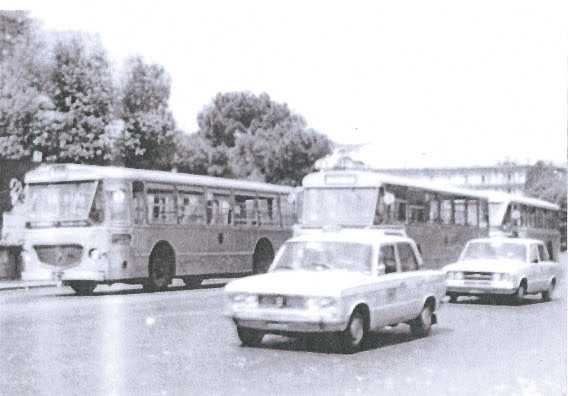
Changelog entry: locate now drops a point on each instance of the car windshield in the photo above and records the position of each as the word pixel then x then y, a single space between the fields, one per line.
pixel 494 250
pixel 317 256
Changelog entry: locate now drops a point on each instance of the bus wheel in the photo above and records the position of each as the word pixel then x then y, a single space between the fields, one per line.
pixel 83 288
pixel 262 257
pixel 192 281
pixel 161 268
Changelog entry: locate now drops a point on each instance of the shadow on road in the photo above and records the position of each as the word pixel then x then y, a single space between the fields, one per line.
pixel 498 300
pixel 329 344
pixel 139 290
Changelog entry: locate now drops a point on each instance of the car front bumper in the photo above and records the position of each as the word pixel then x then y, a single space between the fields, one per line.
pixel 275 321
pixel 477 288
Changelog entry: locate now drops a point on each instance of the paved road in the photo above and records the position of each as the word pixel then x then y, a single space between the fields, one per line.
pixel 122 341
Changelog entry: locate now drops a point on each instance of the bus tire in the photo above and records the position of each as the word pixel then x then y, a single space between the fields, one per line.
pixel 160 268
pixel 192 281
pixel 262 257
pixel 83 288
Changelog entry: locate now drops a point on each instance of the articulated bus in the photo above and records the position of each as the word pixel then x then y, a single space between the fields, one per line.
pixel 89 225
pixel 519 216
pixel 440 219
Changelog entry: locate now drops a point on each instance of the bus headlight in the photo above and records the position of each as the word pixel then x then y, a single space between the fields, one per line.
pixel 95 254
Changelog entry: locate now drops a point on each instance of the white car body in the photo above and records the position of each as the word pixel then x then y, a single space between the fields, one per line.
pixel 531 273
pixel 297 301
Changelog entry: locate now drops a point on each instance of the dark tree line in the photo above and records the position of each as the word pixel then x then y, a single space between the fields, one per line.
pixel 58 96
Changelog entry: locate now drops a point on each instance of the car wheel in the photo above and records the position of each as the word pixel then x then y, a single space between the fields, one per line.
pixel 355 334
pixel 250 337
pixel 453 298
pixel 519 295
pixel 83 288
pixel 547 294
pixel 421 326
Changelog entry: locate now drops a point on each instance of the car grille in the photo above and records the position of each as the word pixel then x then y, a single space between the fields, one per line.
pixel 59 255
pixel 279 301
pixel 478 276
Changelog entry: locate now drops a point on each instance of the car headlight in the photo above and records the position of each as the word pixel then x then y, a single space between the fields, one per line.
pixel 454 275
pixel 244 299
pixel 320 303
pixel 500 277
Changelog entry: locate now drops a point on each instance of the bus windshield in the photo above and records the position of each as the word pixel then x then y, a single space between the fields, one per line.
pixel 492 250
pixel 328 255
pixel 62 203
pixel 339 206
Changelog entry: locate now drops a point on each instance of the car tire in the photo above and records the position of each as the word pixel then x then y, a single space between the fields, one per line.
pixel 421 326
pixel 453 298
pixel 520 294
pixel 547 294
pixel 355 334
pixel 249 337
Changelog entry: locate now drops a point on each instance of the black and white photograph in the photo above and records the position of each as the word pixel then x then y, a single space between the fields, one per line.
pixel 283 198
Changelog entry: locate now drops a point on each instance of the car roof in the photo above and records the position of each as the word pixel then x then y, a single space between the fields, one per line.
pixel 519 241
pixel 364 236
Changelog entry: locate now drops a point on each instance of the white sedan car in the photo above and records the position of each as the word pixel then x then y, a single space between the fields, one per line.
pixel 502 266
pixel 345 282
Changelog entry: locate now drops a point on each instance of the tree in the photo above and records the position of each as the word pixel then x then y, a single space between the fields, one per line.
pixel 82 92
pixel 24 68
pixel 262 140
pixel 149 134
pixel 546 181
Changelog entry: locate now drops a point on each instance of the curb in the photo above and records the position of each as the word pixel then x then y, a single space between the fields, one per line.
pixel 26 286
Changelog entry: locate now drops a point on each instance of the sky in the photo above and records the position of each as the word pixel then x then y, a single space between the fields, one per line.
pixel 421 83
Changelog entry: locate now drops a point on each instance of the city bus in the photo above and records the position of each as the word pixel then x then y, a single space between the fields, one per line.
pixel 519 216
pixel 440 219
pixel 88 225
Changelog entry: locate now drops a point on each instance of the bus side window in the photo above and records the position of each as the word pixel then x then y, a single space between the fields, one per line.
pixel 266 212
pixel 387 258
pixel 161 207
pixel 245 210
pixel 138 202
pixel 190 207
pixel 407 257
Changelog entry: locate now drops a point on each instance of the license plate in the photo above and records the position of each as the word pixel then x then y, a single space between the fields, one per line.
pixel 276 325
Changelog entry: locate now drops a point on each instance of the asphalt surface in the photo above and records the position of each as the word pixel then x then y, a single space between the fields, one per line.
pixel 121 341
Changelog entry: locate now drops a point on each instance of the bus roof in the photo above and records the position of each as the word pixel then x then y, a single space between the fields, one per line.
pixel 501 197
pixel 352 178
pixel 54 173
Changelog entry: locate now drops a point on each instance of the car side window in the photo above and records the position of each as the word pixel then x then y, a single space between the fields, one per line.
pixel 533 256
pixel 387 258
pixel 542 253
pixel 407 257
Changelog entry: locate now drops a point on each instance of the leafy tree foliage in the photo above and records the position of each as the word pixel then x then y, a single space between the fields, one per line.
pixel 254 138
pixel 148 136
pixel 23 80
pixel 546 181
pixel 82 92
